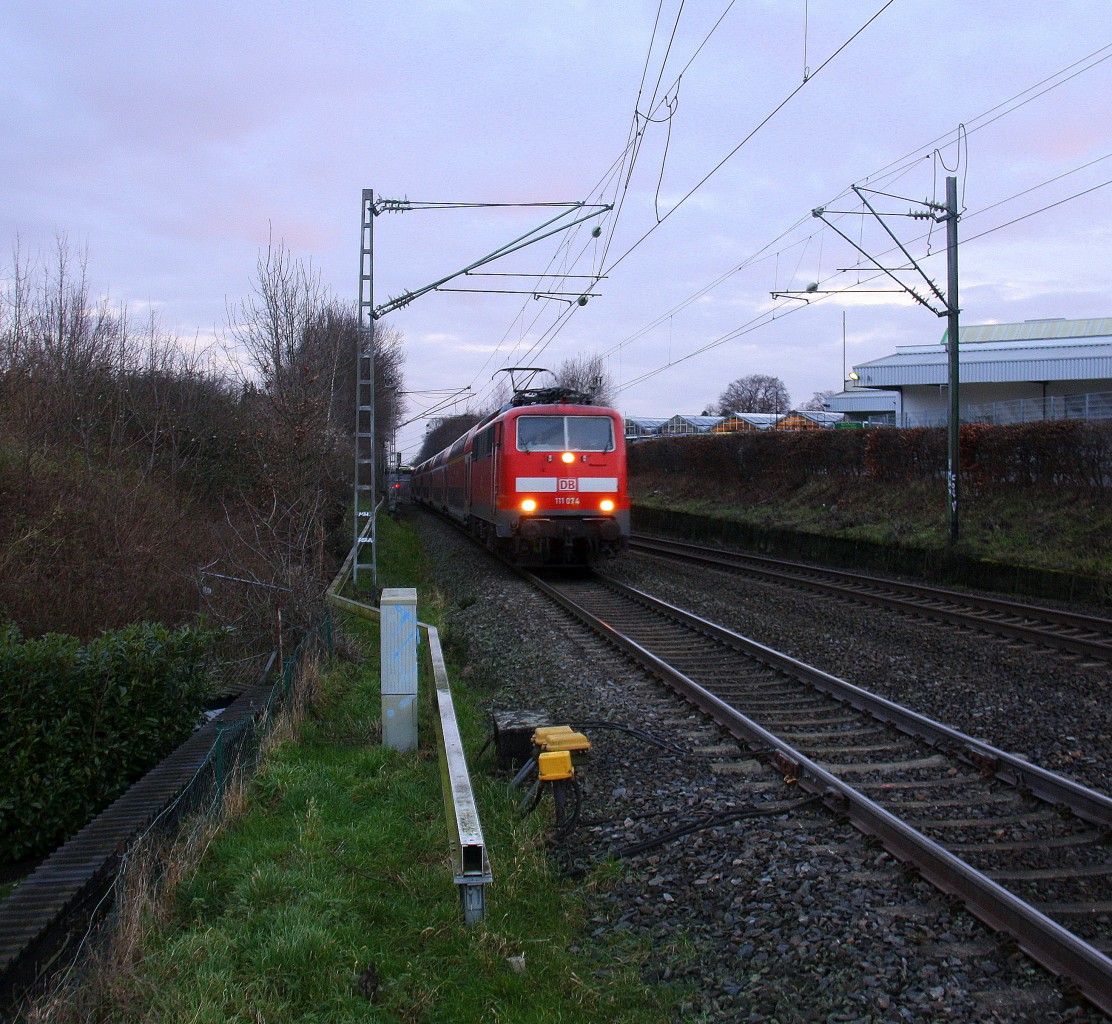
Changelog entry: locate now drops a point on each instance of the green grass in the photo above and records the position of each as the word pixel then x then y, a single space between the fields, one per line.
pixel 339 859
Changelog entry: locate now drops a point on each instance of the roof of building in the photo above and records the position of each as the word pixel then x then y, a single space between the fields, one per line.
pixel 1035 350
pixel 646 423
pixel 683 423
pixel 757 420
pixel 824 418
pixel 855 399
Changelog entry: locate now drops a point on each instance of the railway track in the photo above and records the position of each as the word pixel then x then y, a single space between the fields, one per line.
pixel 1085 636
pixel 1025 850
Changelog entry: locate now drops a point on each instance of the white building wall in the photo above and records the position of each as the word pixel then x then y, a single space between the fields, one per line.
pixel 929 404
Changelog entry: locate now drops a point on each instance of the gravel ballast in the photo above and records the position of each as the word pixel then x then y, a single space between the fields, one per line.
pixel 774 910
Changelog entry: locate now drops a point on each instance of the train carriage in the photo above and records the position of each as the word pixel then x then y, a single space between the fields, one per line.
pixel 543 481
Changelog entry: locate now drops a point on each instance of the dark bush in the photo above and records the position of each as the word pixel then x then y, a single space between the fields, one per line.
pixel 915 453
pixel 1061 453
pixel 753 462
pixel 80 723
pixel 1069 453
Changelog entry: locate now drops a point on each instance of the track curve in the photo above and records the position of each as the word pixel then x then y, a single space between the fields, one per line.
pixel 1023 848
pixel 1085 636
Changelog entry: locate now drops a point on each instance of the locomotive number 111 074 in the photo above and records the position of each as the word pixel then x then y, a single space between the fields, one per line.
pixel 569 499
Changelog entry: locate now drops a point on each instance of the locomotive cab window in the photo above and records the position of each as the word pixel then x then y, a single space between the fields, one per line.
pixel 590 433
pixel 565 433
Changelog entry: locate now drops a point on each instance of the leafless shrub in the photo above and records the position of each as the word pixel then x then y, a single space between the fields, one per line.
pixel 297 356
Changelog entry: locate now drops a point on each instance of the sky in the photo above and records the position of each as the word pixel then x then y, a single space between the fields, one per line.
pixel 175 142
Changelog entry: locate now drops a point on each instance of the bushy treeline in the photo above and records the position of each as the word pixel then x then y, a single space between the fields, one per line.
pixel 129 463
pixel 80 722
pixel 144 480
pixel 1061 453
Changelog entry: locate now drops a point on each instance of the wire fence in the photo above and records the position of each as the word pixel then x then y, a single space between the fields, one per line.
pixel 189 816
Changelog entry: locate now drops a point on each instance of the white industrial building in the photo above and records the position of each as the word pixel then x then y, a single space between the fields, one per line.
pixel 1008 373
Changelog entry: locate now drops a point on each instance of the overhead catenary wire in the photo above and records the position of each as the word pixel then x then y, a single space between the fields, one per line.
pixel 606 268
pixel 617 170
pixel 733 152
pixel 784 309
pixel 616 182
pixel 633 147
pixel 621 168
pixel 900 168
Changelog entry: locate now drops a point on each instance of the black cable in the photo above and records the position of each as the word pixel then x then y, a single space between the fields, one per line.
pixel 964 131
pixel 639 733
pixel 1033 213
pixel 712 821
pixel 717 167
pixel 528 803
pixel 566 826
pixel 599 822
pixel 633 147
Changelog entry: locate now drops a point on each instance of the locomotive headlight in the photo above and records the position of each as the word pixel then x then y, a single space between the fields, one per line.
pixel 606 505
pixel 528 505
pixel 567 457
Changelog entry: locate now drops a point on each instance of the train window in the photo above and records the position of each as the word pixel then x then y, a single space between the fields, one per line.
pixel 540 433
pixel 565 433
pixel 484 444
pixel 590 434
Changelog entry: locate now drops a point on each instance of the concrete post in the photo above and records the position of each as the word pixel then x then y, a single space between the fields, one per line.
pixel 399 668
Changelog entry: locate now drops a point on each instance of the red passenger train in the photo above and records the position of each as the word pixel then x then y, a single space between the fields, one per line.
pixel 542 481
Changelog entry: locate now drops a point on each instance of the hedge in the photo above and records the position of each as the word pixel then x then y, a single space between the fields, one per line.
pixel 1073 453
pixel 80 723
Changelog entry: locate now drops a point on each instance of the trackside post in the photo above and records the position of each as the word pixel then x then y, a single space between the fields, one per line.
pixel 399 668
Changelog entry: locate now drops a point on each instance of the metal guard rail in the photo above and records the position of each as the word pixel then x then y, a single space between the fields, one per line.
pixel 470 864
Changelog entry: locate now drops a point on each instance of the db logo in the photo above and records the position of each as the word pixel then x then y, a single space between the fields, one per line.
pixel 567 485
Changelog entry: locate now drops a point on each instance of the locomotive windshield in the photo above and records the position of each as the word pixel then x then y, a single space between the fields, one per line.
pixel 565 433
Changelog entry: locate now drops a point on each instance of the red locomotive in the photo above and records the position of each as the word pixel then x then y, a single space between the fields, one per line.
pixel 542 481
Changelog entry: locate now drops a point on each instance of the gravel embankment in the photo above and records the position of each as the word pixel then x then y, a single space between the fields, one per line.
pixel 792 917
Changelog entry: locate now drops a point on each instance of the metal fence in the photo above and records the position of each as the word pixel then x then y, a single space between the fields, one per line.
pixel 178 801
pixel 1096 406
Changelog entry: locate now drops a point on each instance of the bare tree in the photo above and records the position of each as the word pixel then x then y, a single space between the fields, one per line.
pixel 589 375
pixel 61 355
pixel 817 402
pixel 298 345
pixel 756 393
pixel 444 430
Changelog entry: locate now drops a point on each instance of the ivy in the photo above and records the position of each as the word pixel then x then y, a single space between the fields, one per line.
pixel 80 723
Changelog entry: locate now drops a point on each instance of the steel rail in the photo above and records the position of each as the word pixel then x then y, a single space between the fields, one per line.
pixel 916 599
pixel 1047 942
pixel 1086 803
